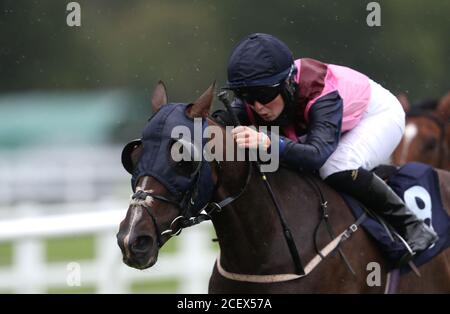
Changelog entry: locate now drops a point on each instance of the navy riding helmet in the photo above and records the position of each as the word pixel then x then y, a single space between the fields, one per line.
pixel 259 60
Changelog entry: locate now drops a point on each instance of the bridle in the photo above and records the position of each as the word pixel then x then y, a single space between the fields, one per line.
pixel 442 125
pixel 187 217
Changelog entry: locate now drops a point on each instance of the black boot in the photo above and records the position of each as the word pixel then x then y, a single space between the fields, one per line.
pixel 375 194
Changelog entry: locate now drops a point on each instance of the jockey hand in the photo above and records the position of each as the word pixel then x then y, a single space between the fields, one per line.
pixel 248 137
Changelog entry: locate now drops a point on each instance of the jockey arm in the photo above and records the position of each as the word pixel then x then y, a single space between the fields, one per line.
pixel 324 130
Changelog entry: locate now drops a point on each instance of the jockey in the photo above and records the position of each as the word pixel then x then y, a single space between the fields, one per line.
pixel 333 120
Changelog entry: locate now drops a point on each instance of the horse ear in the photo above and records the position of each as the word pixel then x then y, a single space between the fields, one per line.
pixel 159 96
pixel 443 108
pixel 200 107
pixel 403 99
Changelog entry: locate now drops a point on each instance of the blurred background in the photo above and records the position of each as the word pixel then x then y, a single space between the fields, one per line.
pixel 71 97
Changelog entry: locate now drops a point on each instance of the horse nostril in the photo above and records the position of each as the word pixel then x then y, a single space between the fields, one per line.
pixel 142 244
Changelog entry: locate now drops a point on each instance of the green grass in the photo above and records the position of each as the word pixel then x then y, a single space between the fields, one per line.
pixel 171 246
pixel 6 292
pixel 76 248
pixel 6 254
pixel 167 285
pixel 73 249
pixel 213 244
pixel 71 290
pixel 81 248
pixel 70 248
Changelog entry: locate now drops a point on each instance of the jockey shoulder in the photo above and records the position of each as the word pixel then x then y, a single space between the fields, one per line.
pixel 319 101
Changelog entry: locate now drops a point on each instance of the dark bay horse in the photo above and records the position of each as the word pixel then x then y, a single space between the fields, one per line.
pixel 427 133
pixel 249 233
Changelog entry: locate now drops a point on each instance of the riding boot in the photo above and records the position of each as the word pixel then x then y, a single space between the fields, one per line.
pixel 375 194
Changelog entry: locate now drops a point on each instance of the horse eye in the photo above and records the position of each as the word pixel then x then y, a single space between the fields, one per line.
pixel 187 165
pixel 185 168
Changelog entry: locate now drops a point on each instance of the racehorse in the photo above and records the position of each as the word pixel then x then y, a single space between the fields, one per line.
pixel 254 256
pixel 427 133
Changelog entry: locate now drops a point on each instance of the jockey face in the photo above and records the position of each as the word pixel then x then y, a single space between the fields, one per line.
pixel 266 101
pixel 269 111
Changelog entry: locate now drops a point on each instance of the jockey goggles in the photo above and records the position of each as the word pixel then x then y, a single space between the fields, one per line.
pixel 261 94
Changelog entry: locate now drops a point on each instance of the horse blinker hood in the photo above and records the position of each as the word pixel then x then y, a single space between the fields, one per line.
pixel 156 160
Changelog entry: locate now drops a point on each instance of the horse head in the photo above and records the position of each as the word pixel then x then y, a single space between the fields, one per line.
pixel 426 138
pixel 168 192
pixel 165 188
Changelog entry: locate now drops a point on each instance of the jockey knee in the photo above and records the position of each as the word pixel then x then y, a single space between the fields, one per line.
pixel 350 181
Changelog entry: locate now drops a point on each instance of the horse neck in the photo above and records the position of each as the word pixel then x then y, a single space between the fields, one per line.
pixel 249 231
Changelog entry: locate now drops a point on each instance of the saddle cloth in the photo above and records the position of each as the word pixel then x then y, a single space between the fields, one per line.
pixel 418 185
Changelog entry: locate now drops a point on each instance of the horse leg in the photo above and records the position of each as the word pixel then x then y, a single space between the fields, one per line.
pixel 436 273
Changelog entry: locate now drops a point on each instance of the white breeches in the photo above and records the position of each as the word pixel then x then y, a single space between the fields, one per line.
pixel 372 141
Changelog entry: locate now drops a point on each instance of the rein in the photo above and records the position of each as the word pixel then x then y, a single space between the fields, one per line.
pixel 286 231
pixel 300 270
pixel 312 264
pixel 187 219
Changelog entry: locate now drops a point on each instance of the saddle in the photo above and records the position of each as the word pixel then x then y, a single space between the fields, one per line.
pixel 418 185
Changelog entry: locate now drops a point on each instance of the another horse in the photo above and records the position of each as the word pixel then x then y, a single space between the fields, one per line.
pixel 427 134
pixel 248 229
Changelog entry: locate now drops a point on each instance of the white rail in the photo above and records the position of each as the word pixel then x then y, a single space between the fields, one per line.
pixel 190 265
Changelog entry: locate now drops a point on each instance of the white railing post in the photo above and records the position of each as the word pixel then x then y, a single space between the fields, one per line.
pixel 196 258
pixel 107 260
pixel 191 264
pixel 28 259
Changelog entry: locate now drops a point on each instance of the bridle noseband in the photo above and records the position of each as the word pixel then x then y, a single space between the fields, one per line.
pixel 139 199
pixel 187 217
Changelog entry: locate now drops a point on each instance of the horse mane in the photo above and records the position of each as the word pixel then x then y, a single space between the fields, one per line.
pixel 424 106
pixel 222 117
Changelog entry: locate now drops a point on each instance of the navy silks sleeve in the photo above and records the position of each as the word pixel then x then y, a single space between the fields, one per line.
pixel 324 130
